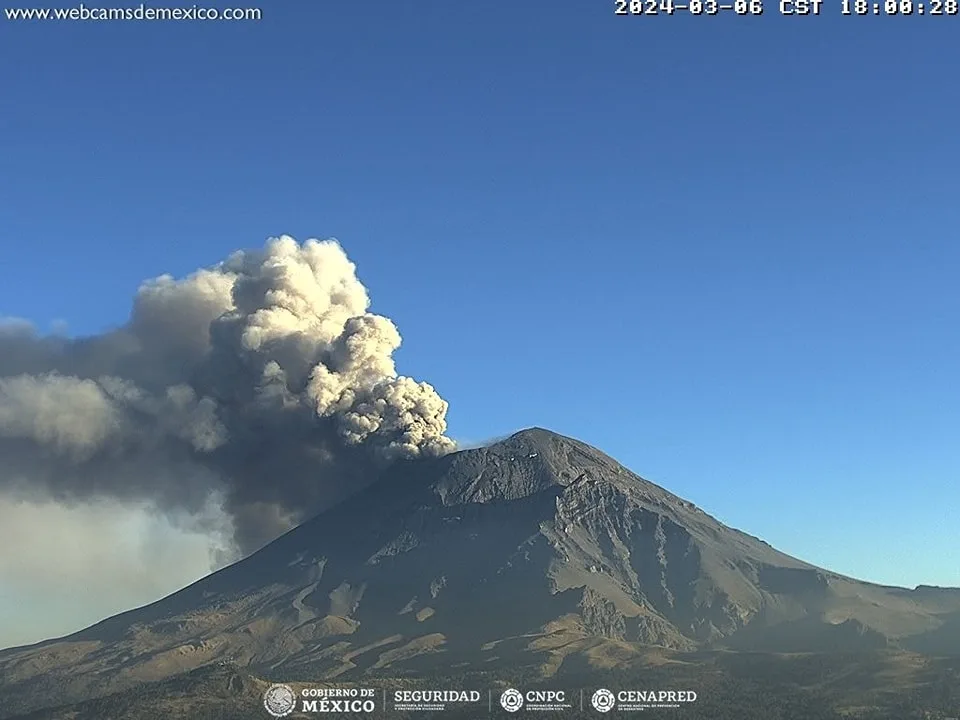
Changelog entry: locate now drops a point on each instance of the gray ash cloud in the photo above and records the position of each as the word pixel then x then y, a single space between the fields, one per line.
pixel 263 381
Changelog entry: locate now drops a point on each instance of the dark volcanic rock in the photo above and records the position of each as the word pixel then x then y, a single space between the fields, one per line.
pixel 533 554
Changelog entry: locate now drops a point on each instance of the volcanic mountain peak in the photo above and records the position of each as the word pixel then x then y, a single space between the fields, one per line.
pixel 533 461
pixel 535 551
pixel 521 465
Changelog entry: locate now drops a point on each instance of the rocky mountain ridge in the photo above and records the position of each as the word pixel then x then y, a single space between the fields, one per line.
pixel 536 555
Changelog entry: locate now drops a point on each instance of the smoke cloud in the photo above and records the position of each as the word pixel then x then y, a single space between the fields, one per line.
pixel 263 382
pixel 63 567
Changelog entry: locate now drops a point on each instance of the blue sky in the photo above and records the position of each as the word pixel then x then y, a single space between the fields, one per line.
pixel 722 249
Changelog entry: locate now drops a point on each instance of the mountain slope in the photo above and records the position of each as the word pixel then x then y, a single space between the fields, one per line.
pixel 884 685
pixel 537 554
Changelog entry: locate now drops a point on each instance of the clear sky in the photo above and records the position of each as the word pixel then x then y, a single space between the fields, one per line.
pixel 722 249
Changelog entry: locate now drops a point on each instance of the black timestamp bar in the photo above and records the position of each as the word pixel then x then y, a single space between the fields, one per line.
pixel 694 7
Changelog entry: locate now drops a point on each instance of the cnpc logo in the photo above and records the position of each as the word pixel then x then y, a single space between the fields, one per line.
pixel 513 700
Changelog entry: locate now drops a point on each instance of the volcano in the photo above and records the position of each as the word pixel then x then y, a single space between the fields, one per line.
pixel 532 556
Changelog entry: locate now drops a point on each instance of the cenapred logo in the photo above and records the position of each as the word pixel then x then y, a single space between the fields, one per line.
pixel 511 700
pixel 280 700
pixel 603 700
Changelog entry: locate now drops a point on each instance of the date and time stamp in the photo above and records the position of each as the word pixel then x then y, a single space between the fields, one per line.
pixel 786 7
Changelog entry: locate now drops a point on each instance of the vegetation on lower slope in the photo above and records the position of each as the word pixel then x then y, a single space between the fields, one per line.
pixel 730 686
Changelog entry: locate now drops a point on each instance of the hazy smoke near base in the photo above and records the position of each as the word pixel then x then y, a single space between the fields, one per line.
pixel 263 381
pixel 63 567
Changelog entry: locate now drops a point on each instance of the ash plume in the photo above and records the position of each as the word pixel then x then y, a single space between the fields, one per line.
pixel 263 381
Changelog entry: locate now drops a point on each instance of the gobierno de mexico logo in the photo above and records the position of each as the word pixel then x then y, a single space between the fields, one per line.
pixel 280 700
